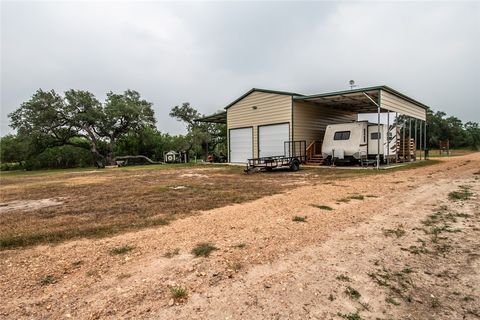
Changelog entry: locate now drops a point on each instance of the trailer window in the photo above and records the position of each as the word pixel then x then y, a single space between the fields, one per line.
pixel 375 136
pixel 341 135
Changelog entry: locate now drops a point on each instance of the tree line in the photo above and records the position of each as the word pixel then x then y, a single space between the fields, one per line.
pixel 77 130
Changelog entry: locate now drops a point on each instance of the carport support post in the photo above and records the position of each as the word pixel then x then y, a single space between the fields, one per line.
pixel 409 137
pixel 378 124
pixel 378 135
pixel 388 136
pixel 416 142
pixel 425 139
pixel 404 122
pixel 421 141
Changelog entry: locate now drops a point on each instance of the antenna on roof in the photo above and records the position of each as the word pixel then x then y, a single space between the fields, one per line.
pixel 352 84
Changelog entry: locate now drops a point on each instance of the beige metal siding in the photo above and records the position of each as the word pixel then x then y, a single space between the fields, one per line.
pixel 310 120
pixel 271 108
pixel 396 104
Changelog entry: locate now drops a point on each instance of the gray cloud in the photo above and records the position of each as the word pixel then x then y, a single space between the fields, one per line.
pixel 210 53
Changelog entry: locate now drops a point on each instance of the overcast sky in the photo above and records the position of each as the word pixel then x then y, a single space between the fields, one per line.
pixel 210 53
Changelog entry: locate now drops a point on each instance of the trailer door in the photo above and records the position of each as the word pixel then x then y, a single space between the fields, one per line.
pixel 271 139
pixel 241 145
pixel 373 137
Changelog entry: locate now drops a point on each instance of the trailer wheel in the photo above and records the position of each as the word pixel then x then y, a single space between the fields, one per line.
pixel 295 165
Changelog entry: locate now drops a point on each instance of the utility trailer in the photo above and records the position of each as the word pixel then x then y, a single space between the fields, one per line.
pixel 294 155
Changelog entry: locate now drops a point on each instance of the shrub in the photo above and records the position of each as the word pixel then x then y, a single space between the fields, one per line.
pixel 203 249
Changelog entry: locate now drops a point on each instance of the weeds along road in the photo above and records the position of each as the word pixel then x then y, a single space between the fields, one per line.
pixel 402 244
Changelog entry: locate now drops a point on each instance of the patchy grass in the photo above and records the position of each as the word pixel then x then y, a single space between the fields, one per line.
pixel 434 302
pixel 102 203
pixel 468 298
pixel 122 276
pixel 77 263
pixel 463 194
pixel 397 232
pixel 391 300
pixel 399 283
pixel 121 250
pixel 416 250
pixel 350 316
pixel 343 277
pixel 364 305
pixel 299 218
pixel 8 241
pixel 435 153
pixel 92 273
pixel 203 249
pixel 171 253
pixel 322 207
pixel 47 280
pixel 357 197
pixel 235 266
pixel 178 293
pixel 352 293
pixel 240 245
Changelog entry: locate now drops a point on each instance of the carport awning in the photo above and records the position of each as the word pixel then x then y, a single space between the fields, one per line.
pixel 220 117
pixel 354 101
pixel 360 101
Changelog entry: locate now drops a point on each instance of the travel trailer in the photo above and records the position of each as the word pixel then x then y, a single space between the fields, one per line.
pixel 355 142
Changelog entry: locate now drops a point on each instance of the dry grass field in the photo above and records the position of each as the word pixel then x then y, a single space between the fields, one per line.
pixel 209 242
pixel 63 204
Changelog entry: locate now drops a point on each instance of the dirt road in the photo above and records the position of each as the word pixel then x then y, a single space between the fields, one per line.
pixel 393 246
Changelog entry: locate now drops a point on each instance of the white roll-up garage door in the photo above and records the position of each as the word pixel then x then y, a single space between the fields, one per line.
pixel 241 145
pixel 272 138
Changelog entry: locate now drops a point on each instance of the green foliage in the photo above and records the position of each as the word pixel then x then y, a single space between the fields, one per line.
pixel 350 316
pixel 200 136
pixel 352 293
pixel 463 193
pixel 323 207
pixel 79 119
pixel 48 279
pixel 121 250
pixel 299 219
pixel 62 157
pixel 149 142
pixel 440 127
pixel 203 249
pixel 178 293
pixel 13 149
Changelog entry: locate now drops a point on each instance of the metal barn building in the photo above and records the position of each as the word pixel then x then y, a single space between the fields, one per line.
pixel 260 121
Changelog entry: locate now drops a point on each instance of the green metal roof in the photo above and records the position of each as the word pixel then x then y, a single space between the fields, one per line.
pixel 359 90
pixel 219 117
pixel 265 91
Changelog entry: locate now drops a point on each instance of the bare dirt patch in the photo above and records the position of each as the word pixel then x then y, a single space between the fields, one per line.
pixel 29 205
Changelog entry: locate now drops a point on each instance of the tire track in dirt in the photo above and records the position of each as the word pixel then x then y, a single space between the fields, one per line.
pixel 302 285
